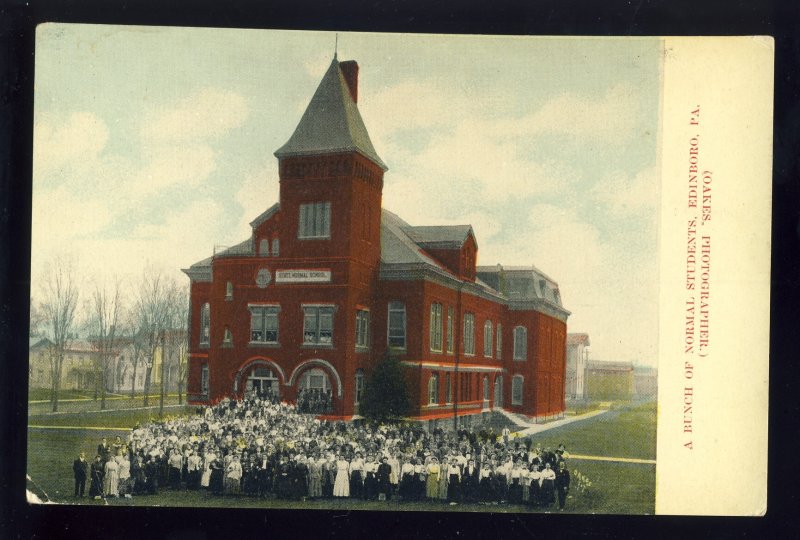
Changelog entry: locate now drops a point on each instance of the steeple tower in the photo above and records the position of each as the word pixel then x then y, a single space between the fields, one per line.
pixel 331 176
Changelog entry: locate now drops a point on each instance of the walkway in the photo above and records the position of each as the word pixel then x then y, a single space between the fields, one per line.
pixel 538 428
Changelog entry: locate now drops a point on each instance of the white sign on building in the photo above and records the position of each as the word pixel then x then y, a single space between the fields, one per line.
pixel 302 276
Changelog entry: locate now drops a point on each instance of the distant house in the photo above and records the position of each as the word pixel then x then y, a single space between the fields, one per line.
pixel 78 370
pixel 609 381
pixel 39 362
pixel 175 346
pixel 577 359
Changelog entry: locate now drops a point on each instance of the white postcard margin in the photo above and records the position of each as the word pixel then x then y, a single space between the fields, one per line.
pixel 715 161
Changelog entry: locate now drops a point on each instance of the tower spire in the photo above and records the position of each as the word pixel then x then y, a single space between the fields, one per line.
pixel 336 47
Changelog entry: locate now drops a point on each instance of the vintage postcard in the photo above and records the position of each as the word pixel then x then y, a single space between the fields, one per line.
pixel 284 269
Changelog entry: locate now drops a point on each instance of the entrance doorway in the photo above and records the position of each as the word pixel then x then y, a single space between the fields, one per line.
pixel 263 383
pixel 314 393
pixel 498 391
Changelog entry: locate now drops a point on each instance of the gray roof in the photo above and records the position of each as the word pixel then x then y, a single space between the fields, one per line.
pixel 440 236
pixel 397 247
pixel 242 248
pixel 521 283
pixel 331 123
pixel 37 341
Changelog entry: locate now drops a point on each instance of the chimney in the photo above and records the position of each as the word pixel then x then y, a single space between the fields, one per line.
pixel 350 71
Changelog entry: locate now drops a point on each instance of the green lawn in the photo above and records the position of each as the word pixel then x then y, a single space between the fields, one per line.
pixel 617 487
pixel 624 432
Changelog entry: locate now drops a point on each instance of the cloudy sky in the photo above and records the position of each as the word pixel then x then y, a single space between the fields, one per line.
pixel 153 145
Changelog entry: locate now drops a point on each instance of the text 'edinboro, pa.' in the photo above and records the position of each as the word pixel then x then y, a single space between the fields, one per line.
pixel 697 315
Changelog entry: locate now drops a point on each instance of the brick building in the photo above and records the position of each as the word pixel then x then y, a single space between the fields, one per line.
pixel 328 283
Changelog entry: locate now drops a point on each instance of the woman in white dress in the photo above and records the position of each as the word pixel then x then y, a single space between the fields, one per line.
pixel 124 474
pixel 208 458
pixel 341 487
pixel 111 478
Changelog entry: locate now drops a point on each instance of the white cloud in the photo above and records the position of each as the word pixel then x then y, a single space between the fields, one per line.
pixel 259 191
pixel 185 165
pixel 210 112
pixel 625 196
pixel 78 139
pixel 611 118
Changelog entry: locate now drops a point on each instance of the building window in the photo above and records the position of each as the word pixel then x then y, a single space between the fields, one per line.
pixel 205 324
pixel 318 325
pixel 485 388
pixel 229 291
pixel 469 333
pixel 227 338
pixel 450 333
pixel 499 341
pixel 263 248
pixel 436 327
pixel 264 324
pixel 359 386
pixel 397 325
pixel 520 343
pixel 487 339
pixel 516 390
pixel 315 220
pixel 433 389
pixel 362 329
pixel 276 247
pixel 204 379
pixel 448 388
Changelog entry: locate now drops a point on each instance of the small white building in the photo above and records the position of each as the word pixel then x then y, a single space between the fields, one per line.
pixel 577 361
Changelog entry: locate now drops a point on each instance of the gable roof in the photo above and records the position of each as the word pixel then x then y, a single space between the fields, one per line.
pixel 265 215
pixel 440 236
pixel 331 123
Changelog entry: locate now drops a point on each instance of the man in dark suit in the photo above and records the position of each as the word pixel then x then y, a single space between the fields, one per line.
pixel 103 449
pixel 469 482
pixel 80 468
pixel 562 483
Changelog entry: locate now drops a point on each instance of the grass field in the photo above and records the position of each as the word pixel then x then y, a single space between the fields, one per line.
pixel 617 487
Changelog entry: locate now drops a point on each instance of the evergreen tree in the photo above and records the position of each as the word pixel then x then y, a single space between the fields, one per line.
pixel 385 396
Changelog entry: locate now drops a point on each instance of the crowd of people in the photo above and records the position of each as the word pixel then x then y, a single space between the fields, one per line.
pixel 259 448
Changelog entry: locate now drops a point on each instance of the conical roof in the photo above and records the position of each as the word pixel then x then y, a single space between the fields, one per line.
pixel 331 123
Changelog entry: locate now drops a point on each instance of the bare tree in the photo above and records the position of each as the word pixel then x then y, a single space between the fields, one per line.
pixel 106 308
pixel 153 306
pixel 60 298
pixel 177 335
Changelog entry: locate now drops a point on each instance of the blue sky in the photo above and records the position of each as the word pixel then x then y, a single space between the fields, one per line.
pixel 154 144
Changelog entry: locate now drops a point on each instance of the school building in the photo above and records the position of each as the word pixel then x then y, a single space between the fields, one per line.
pixel 328 283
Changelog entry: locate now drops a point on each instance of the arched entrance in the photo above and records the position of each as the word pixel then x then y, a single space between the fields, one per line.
pixel 314 393
pixel 498 391
pixel 259 377
pixel 264 383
